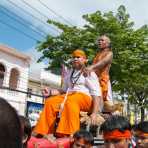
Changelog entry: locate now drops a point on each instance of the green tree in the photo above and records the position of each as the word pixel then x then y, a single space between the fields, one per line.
pixel 129 71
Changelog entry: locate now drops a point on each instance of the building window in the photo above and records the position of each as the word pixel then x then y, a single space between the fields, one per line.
pixel 29 92
pixel 14 77
pixel 2 74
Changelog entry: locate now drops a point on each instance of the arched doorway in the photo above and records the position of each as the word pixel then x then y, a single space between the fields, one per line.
pixel 2 74
pixel 14 77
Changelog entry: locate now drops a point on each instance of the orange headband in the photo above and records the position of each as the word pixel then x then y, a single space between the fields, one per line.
pixel 80 53
pixel 116 134
pixel 140 133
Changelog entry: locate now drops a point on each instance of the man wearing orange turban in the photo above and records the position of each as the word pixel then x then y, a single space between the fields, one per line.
pixel 141 134
pixel 80 94
pixel 116 132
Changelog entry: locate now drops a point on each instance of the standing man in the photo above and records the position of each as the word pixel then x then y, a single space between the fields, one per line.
pixel 101 65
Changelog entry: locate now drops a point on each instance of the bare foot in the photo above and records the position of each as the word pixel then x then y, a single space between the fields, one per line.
pixel 50 137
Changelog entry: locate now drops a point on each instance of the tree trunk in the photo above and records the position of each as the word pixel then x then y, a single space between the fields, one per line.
pixel 135 110
pixel 142 114
pixel 128 109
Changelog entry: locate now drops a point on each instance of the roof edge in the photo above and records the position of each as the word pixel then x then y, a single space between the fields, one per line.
pixel 14 52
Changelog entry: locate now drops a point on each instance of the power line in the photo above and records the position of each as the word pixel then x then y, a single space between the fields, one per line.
pixel 23 20
pixel 20 31
pixel 30 14
pixel 20 22
pixel 35 9
pixel 51 10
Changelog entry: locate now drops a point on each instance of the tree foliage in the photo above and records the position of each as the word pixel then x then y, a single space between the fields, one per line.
pixel 129 71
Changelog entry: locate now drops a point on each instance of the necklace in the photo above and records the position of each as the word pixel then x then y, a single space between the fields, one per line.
pixel 74 77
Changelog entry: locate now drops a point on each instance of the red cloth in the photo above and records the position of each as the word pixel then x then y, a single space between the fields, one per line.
pixel 116 134
pixel 44 143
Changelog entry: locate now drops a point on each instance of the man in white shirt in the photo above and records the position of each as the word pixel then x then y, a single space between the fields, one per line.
pixel 80 93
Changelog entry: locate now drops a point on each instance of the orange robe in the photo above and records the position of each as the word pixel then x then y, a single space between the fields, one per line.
pixel 103 73
pixel 69 121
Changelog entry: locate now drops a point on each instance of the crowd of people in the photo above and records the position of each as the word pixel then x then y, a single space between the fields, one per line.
pixel 15 132
pixel 87 89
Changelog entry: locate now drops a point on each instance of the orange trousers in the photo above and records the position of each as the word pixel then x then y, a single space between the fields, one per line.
pixel 70 120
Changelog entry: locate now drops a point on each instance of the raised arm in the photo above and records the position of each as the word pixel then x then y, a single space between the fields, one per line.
pixel 106 60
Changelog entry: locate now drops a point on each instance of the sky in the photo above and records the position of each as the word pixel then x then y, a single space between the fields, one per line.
pixel 24 22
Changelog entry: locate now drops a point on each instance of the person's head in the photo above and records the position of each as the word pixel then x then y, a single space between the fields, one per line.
pixel 79 58
pixel 10 128
pixel 116 132
pixel 83 139
pixel 26 129
pixel 141 134
pixel 104 42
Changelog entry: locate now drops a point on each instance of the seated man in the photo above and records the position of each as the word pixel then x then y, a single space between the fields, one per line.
pixel 141 134
pixel 82 94
pixel 116 132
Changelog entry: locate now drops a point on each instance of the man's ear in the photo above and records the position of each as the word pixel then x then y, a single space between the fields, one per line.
pixel 25 137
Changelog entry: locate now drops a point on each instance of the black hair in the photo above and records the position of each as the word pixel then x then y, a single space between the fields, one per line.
pixel 142 126
pixel 115 122
pixel 82 134
pixel 26 129
pixel 10 128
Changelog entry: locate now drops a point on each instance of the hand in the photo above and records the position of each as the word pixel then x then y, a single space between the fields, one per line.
pixel 93 118
pixel 50 138
pixel 87 71
pixel 61 106
pixel 54 92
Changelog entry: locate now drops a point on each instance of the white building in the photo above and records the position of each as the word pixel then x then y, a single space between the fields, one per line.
pixel 15 79
pixel 14 68
pixel 40 80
